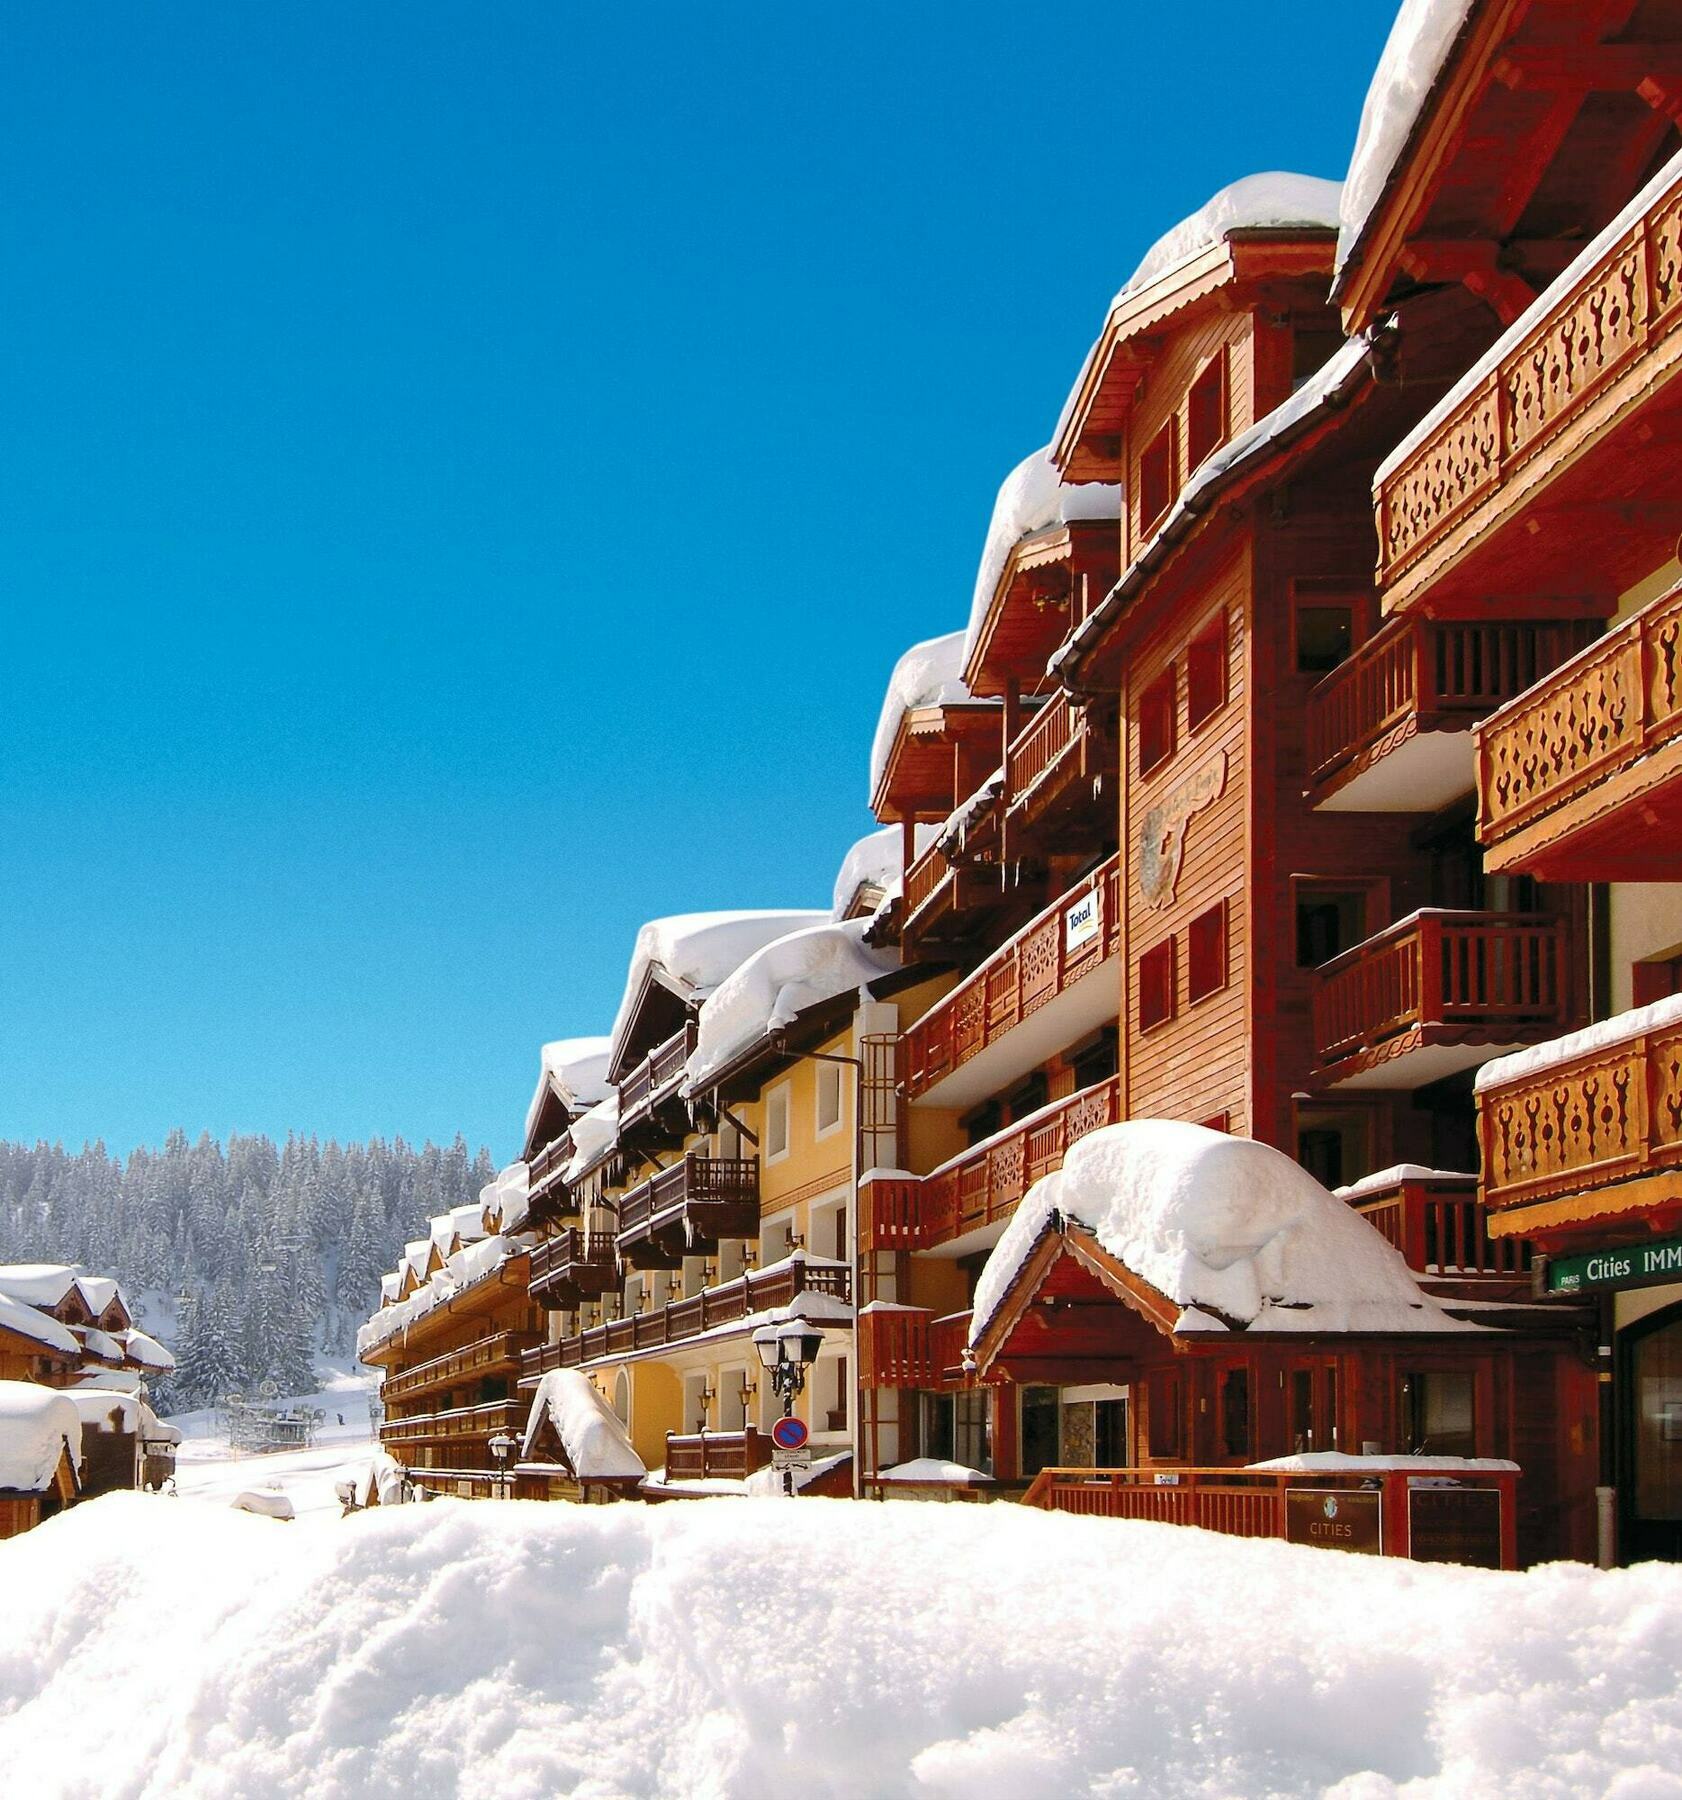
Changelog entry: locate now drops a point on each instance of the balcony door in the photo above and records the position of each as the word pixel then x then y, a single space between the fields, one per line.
pixel 1652 1439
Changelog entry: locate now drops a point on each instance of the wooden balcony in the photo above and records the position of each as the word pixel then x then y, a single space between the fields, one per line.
pixel 1559 459
pixel 460 1422
pixel 981 1187
pixel 909 1347
pixel 497 1354
pixel 573 1265
pixel 1390 729
pixel 1439 992
pixel 679 1320
pixel 716 1455
pixel 1594 1135
pixel 650 1101
pixel 945 898
pixel 686 1209
pixel 546 1183
pixel 957 1053
pixel 1435 1221
pixel 1580 779
pixel 1059 764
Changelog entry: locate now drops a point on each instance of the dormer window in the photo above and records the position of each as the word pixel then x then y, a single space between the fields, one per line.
pixel 1156 479
pixel 1206 413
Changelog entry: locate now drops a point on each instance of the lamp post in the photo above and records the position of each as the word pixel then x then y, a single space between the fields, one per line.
pixel 502 1447
pixel 788 1351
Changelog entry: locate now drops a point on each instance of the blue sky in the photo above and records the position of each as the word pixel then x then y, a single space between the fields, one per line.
pixel 469 470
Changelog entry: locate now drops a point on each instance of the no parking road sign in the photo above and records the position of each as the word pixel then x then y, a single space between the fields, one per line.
pixel 788 1438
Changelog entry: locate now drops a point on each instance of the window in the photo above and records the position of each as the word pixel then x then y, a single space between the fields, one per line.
pixel 1311 1408
pixel 829 1097
pixel 1325 635
pixel 1206 953
pixel 983 1122
pixel 1028 1096
pixel 1439 1413
pixel 1235 1412
pixel 1206 673
pixel 1163 1415
pixel 1040 1419
pixel 1334 1144
pixel 776 1123
pixel 1312 347
pixel 1329 920
pixel 1156 985
pixel 1656 979
pixel 1156 479
pixel 1217 1122
pixel 971 1444
pixel 1096 1061
pixel 1156 722
pixel 1206 413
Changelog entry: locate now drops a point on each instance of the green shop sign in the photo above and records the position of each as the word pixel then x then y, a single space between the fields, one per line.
pixel 1635 1265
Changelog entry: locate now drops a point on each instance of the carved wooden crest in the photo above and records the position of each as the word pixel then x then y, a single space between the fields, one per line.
pixel 1162 836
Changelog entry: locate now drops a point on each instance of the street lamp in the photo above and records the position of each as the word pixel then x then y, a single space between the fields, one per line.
pixel 502 1447
pixel 788 1351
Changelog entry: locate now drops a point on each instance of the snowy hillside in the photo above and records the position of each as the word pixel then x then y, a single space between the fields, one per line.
pixel 160 1646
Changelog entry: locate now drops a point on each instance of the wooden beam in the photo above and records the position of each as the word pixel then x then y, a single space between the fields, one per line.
pixel 1586 68
pixel 1476 263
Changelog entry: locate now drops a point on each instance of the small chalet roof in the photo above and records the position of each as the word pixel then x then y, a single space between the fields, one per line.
pixel 1274 201
pixel 105 1409
pixel 390 1286
pixel 138 1347
pixel 466 1267
pixel 508 1197
pixel 929 675
pixel 574 1070
pixel 776 985
pixel 871 868
pixel 591 1437
pixel 99 1291
pixel 28 1322
pixel 1232 1233
pixel 38 1427
pixel 38 1284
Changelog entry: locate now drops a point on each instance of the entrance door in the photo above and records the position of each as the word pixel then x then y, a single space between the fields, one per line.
pixel 1652 1434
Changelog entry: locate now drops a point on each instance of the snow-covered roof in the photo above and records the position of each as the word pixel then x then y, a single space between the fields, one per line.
pixel 1341 1462
pixel 593 1135
pixel 1602 1035
pixel 928 674
pixel 98 1291
pixel 1034 497
pixel 1413 58
pixel 468 1265
pixel 37 1425
pixel 508 1196
pixel 1274 200
pixel 1533 315
pixel 1232 1231
pixel 695 951
pixel 875 859
pixel 98 1343
pixel 594 1441
pixel 390 1286
pixel 775 985
pixel 146 1351
pixel 37 1284
pixel 105 1409
pixel 575 1069
pixel 464 1224
pixel 27 1322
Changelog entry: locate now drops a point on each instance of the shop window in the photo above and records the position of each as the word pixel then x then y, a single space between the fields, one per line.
pixel 1156 985
pixel 1162 1408
pixel 1311 1408
pixel 1325 632
pixel 1109 1435
pixel 1206 953
pixel 1206 674
pixel 829 1097
pixel 1329 921
pixel 1206 413
pixel 937 1426
pixel 1156 722
pixel 1156 479
pixel 1235 1412
pixel 971 1442
pixel 1040 1415
pixel 1440 1414
pixel 1657 979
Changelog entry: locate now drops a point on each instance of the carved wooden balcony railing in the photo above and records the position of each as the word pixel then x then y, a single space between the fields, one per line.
pixel 1044 959
pixel 908 1347
pixel 458 1422
pixel 1584 741
pixel 545 1178
pixel 687 1208
pixel 573 1265
pixel 1420 675
pixel 924 879
pixel 984 1184
pixel 650 1089
pixel 677 1320
pixel 716 1455
pixel 1577 1137
pixel 1611 316
pixel 1468 978
pixel 1436 1223
pixel 498 1353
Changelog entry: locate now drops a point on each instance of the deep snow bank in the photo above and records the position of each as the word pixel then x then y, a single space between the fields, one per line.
pixel 750 1648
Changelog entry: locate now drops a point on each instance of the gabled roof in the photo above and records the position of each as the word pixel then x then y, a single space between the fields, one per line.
pixel 39 1429
pixel 572 1076
pixel 926 708
pixel 582 1428
pixel 37 1284
pixel 37 1327
pixel 871 870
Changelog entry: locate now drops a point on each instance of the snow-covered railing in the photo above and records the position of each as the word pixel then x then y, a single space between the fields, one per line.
pixel 656 1078
pixel 501 1350
pixel 716 1455
pixel 456 1422
pixel 909 1347
pixel 1434 1220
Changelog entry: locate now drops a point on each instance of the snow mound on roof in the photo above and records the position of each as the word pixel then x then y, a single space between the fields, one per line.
pixel 36 1425
pixel 26 1322
pixel 593 1135
pixel 1033 498
pixel 576 1068
pixel 470 1264
pixel 934 1468
pixel 105 1409
pixel 508 1196
pixel 37 1284
pixel 591 1435
pixel 740 1649
pixel 875 859
pixel 1275 200
pixel 777 984
pixel 928 674
pixel 1602 1035
pixel 1408 67
pixel 145 1350
pixel 98 1291
pixel 1219 1225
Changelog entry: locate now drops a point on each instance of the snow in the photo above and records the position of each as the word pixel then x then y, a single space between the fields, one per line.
pixel 933 1468
pixel 1413 58
pixel 390 1287
pixel 98 1343
pixel 37 1284
pixel 25 1321
pixel 876 859
pixel 1273 200
pixel 146 1351
pixel 98 1291
pixel 576 1068
pixel 37 1424
pixel 1341 1462
pixel 595 1443
pixel 1223 1225
pixel 1605 1034
pixel 95 1407
pixel 500 1650
pixel 507 1198
pixel 593 1134
pixel 265 1502
pixel 470 1264
pixel 1394 1176
pixel 1033 498
pixel 775 985
pixel 928 674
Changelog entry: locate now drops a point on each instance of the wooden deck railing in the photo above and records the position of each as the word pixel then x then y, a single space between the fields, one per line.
pixel 1612 315
pixel 677 1320
pixel 573 1262
pixel 689 1182
pixel 458 1422
pixel 546 1169
pixel 1440 1229
pixel 1596 715
pixel 924 879
pixel 1478 972
pixel 1427 674
pixel 909 1347
pixel 1607 1114
pixel 500 1350
pixel 1047 736
pixel 652 1080
pixel 1046 957
pixel 716 1455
